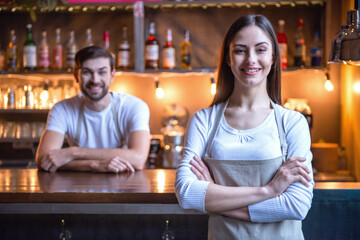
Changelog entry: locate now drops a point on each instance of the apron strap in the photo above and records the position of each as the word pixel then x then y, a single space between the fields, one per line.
pixel 115 116
pixel 281 130
pixel 215 129
pixel 79 121
pixel 81 118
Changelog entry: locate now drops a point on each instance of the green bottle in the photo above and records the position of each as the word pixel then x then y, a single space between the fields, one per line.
pixel 29 57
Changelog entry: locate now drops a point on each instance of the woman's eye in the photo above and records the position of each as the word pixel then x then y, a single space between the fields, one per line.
pixel 239 51
pixel 261 50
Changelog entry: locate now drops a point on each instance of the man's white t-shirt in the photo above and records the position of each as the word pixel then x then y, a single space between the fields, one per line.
pixel 98 129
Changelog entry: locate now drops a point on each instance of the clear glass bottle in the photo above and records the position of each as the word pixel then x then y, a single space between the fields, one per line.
pixel 57 63
pixel 300 47
pixel 152 60
pixel 44 55
pixel 316 51
pixel 12 62
pixel 283 45
pixel 65 234
pixel 167 235
pixel 29 57
pixel 11 98
pixel 169 60
pixel 28 97
pixel 71 49
pixel 186 51
pixel 123 56
pixel 89 41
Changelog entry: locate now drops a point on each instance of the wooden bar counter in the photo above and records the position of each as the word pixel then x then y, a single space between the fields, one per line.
pixel 135 206
pixel 142 192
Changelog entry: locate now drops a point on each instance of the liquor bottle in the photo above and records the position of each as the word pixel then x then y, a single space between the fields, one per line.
pixel 123 55
pixel 316 51
pixel 44 55
pixel 29 57
pixel 169 52
pixel 12 63
pixel 57 63
pixel 282 41
pixel 71 49
pixel 2 59
pixel 300 48
pixel 186 51
pixel 11 98
pixel 88 41
pixel 152 50
pixel 106 40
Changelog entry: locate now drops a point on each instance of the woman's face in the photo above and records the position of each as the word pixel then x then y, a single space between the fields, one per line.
pixel 251 56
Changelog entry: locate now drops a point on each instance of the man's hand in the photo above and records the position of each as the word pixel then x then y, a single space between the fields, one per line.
pixel 56 158
pixel 115 165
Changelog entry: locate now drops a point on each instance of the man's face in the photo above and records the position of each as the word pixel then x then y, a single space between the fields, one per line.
pixel 95 77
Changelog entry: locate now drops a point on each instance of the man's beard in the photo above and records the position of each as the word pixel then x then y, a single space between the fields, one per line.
pixel 96 97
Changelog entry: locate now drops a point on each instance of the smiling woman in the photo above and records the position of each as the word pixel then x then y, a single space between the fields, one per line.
pixel 247 160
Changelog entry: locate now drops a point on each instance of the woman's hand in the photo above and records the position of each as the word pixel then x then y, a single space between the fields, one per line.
pixel 293 170
pixel 200 169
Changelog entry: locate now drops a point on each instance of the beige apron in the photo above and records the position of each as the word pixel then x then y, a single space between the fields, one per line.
pixel 81 119
pixel 251 173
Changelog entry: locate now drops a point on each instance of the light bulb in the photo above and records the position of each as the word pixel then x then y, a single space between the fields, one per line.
pixel 212 85
pixel 357 87
pixel 213 89
pixel 329 86
pixel 160 93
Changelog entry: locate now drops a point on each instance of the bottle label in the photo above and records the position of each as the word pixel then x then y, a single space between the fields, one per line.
pixel 58 57
pixel 316 57
pixel 152 52
pixel 12 63
pixel 70 57
pixel 186 59
pixel 169 57
pixel 300 47
pixel 30 56
pixel 123 58
pixel 283 54
pixel 44 57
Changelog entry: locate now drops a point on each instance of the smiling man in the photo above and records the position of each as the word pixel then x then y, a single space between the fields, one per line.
pixel 106 131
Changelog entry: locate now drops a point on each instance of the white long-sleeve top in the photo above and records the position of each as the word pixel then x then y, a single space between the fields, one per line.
pixel 261 142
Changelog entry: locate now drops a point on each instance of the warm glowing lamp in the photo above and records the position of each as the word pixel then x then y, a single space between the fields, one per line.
pixel 329 86
pixel 213 85
pixel 160 94
pixel 357 87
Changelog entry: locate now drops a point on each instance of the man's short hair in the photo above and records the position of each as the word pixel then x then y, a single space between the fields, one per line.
pixel 93 52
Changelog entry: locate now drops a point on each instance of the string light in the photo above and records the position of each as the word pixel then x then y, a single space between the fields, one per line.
pixel 213 85
pixel 329 86
pixel 160 94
